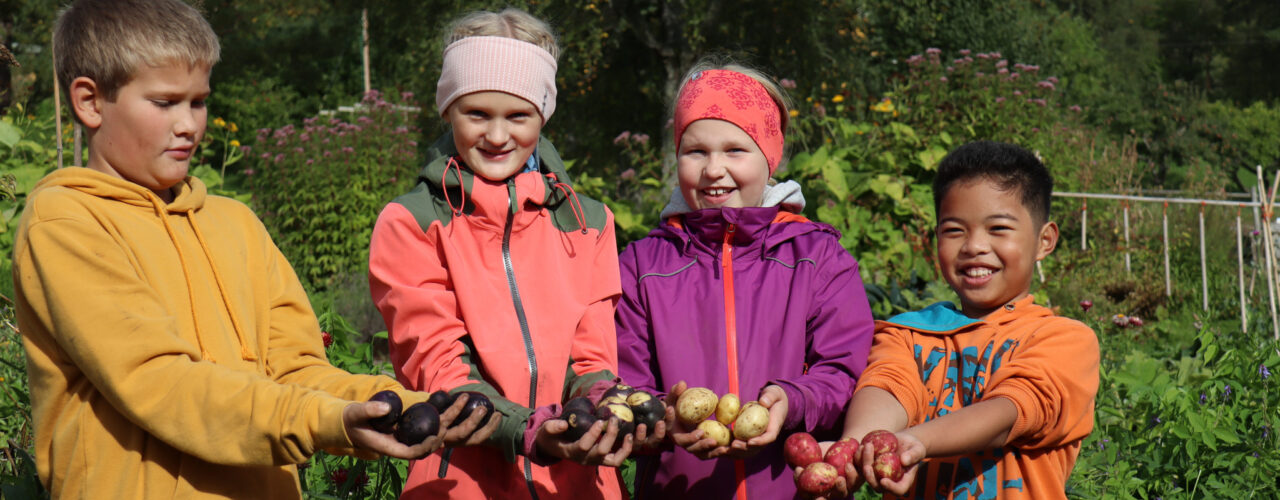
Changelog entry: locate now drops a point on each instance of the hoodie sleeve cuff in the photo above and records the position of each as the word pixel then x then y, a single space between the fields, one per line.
pixel 530 446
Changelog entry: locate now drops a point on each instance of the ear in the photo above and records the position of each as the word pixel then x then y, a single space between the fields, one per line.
pixel 1047 241
pixel 86 101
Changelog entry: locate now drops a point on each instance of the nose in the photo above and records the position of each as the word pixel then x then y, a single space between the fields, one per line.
pixel 715 167
pixel 976 243
pixel 189 121
pixel 496 133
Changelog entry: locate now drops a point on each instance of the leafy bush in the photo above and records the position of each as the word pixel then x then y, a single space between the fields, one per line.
pixel 319 188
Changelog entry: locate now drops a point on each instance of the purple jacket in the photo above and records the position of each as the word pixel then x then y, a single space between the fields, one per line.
pixel 802 322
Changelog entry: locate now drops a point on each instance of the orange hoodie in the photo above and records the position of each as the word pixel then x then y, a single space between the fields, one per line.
pixel 172 352
pixel 936 360
pixel 507 288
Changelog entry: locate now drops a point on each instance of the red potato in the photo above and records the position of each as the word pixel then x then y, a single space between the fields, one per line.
pixel 841 453
pixel 888 466
pixel 818 478
pixel 801 450
pixel 881 442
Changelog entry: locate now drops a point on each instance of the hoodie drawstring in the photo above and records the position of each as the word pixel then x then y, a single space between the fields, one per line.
pixel 245 353
pixel 453 164
pixel 574 203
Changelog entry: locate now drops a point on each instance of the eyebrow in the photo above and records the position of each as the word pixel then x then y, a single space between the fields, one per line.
pixel 989 218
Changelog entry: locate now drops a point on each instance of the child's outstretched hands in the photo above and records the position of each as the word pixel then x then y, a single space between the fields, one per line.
pixel 370 442
pixel 775 400
pixel 697 442
pixel 595 447
pixel 879 469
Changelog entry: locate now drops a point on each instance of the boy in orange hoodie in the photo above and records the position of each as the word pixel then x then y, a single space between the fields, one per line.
pixel 991 400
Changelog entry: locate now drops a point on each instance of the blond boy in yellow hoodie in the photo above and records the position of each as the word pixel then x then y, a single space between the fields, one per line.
pixel 172 352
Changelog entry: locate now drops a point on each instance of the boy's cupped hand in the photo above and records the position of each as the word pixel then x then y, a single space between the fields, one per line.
pixel 595 447
pixel 910 452
pixel 356 416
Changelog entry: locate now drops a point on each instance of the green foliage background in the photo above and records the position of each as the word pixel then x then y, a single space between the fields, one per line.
pixel 1129 96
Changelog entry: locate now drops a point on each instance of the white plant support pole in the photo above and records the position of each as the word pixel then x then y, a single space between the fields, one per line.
pixel 1244 316
pixel 1204 271
pixel 1128 269
pixel 1040 269
pixel 1084 225
pixel 1266 249
pixel 1168 282
pixel 364 22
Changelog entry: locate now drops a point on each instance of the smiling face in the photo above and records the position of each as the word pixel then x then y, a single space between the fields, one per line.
pixel 495 132
pixel 148 133
pixel 720 166
pixel 988 244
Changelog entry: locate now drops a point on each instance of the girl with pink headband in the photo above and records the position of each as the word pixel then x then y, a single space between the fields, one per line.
pixel 736 291
pixel 495 277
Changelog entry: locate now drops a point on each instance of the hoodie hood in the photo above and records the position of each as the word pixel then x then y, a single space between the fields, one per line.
pixel 189 195
pixel 189 198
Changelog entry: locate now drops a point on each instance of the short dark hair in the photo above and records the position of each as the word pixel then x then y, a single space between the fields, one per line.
pixel 1008 166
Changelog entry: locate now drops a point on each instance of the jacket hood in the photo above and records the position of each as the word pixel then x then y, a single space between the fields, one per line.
pixel 785 195
pixel 944 318
pixel 189 195
pixel 447 175
pixel 755 228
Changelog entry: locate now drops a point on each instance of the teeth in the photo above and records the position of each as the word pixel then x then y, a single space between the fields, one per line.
pixel 978 272
pixel 717 191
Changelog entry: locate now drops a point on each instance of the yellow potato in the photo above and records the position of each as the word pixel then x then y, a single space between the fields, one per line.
pixel 752 421
pixel 695 405
pixel 715 430
pixel 727 410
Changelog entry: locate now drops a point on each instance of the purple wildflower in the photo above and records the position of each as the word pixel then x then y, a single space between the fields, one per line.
pixel 1262 370
pixel 787 83
pixel 965 52
pixel 628 174
pixel 406 96
pixel 248 172
pixel 1003 63
pixel 933 51
pixel 245 149
pixel 641 138
pixel 1075 108
pixel 999 100
pixel 1203 398
pixel 621 138
pixel 348 149
pixel 1226 393
pixel 279 158
pixel 1045 84
pixel 943 79
pixel 1053 80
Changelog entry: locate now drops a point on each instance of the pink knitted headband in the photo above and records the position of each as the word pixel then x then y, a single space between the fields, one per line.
pixel 482 63
pixel 735 98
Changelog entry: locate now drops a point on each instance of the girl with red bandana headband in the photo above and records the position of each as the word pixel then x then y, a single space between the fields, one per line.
pixel 495 277
pixel 737 292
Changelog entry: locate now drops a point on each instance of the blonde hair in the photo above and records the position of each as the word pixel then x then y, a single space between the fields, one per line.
pixel 108 40
pixel 509 23
pixel 724 63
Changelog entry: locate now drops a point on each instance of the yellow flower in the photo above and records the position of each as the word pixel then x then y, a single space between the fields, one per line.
pixel 794 113
pixel 219 122
pixel 235 143
pixel 233 127
pixel 884 106
pixel 838 98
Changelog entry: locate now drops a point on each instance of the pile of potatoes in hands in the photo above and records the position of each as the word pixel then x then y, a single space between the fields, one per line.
pixel 819 472
pixel 698 404
pixel 422 420
pixel 629 406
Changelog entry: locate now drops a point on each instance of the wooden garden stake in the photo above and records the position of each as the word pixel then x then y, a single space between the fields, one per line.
pixel 57 100
pixel 1168 283
pixel 1267 251
pixel 1127 268
pixel 1204 272
pixel 1084 223
pixel 1040 269
pixel 364 22
pixel 77 133
pixel 1244 316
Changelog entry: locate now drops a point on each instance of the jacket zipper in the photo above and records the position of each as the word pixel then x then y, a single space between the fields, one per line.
pixel 524 331
pixel 731 341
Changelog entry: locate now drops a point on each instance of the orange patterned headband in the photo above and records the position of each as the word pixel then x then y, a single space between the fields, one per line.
pixel 738 99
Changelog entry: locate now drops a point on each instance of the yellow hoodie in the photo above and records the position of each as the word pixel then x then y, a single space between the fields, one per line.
pixel 172 352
